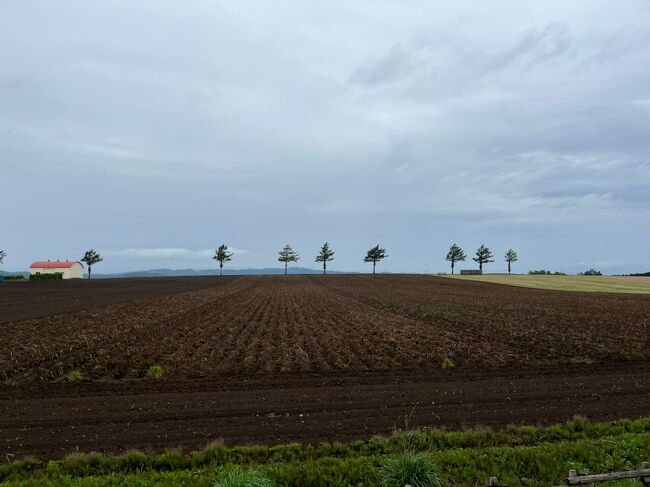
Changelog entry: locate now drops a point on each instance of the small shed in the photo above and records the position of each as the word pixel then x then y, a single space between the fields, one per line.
pixel 70 269
pixel 471 272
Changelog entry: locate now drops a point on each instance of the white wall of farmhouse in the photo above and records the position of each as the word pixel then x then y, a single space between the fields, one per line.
pixel 76 271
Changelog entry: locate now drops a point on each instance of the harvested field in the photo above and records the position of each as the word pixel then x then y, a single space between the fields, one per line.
pixel 601 284
pixel 271 325
pixel 308 358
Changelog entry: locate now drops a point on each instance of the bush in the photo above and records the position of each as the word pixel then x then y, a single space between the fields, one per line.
pixel 591 272
pixel 13 278
pixel 410 468
pixel 244 477
pixel 156 371
pixel 50 276
pixel 543 272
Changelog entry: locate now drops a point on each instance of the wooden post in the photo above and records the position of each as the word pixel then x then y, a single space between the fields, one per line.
pixel 645 466
pixel 573 479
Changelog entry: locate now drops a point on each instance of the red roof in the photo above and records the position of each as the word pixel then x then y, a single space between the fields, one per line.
pixel 55 264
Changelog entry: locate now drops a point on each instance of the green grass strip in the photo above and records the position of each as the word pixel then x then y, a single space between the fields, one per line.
pixel 518 456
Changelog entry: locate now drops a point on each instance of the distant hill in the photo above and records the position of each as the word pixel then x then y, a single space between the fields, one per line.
pixel 267 271
pixel 212 272
pixel 4 273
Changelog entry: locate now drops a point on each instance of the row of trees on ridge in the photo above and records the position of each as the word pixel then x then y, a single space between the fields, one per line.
pixel 326 254
pixel 287 255
pixel 483 256
pixel 374 255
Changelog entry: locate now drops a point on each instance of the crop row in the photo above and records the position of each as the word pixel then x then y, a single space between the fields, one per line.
pixel 271 325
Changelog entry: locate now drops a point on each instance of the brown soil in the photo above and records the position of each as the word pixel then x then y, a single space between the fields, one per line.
pixel 25 300
pixel 271 325
pixel 52 420
pixel 308 358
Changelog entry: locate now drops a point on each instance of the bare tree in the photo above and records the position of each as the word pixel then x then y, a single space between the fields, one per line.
pixel 483 256
pixel 325 255
pixel 454 255
pixel 222 254
pixel 374 255
pixel 510 257
pixel 91 258
pixel 286 255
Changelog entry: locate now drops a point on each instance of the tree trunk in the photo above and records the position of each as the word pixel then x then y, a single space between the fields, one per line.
pixel 373 266
pixel 480 266
pixel 508 267
pixel 452 267
pixel 285 267
pixel 324 267
pixel 221 268
pixel 89 272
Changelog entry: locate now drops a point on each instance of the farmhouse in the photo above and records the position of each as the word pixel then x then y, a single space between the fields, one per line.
pixel 70 269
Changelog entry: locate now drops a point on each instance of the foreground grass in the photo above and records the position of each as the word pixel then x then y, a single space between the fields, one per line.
pixel 517 455
pixel 605 284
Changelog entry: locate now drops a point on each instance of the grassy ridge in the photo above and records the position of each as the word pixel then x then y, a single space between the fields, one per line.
pixel 517 455
pixel 605 284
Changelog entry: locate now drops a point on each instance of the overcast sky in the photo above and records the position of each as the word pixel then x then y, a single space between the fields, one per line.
pixel 153 131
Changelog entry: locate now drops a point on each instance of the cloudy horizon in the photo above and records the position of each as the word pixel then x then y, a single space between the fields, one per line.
pixel 155 131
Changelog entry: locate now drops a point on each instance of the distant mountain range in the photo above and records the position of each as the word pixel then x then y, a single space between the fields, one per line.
pixel 4 273
pixel 197 272
pixel 212 272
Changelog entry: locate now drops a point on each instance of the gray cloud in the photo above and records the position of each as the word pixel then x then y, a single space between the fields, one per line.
pixel 160 127
pixel 168 253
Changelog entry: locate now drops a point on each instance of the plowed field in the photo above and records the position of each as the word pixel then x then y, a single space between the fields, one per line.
pixel 270 325
pixel 360 352
pixel 24 300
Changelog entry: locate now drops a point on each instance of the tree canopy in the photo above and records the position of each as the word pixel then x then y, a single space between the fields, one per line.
pixel 591 272
pixel 455 254
pixel 374 255
pixel 91 258
pixel 483 256
pixel 325 255
pixel 286 255
pixel 222 254
pixel 510 257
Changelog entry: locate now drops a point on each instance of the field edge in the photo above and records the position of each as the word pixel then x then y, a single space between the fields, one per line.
pixel 519 455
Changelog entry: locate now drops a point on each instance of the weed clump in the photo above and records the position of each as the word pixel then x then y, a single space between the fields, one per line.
pixel 244 477
pixel 581 361
pixel 82 464
pixel 75 376
pixel 156 371
pixel 410 468
pixel 447 363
